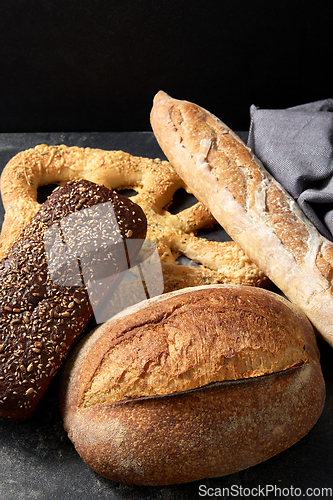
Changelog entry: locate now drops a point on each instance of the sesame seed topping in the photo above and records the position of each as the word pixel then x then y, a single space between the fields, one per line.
pixel 30 368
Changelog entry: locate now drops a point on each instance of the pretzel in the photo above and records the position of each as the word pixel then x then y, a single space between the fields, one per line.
pixel 155 183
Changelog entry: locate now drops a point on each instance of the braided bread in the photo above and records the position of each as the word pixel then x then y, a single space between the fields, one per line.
pixel 155 183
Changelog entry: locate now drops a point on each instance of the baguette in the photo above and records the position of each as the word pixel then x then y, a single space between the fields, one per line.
pixel 196 383
pixel 45 303
pixel 250 204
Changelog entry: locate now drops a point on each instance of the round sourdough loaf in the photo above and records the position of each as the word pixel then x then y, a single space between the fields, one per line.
pixel 197 383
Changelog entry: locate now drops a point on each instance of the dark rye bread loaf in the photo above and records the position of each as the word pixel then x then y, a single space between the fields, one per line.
pixel 196 383
pixel 45 302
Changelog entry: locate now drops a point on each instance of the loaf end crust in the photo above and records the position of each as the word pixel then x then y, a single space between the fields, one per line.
pixel 196 383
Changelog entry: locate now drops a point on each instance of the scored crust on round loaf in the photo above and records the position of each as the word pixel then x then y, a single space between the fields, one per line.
pixel 184 341
pixel 192 384
pixel 155 182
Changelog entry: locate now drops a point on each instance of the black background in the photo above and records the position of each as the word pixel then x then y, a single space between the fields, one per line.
pixel 95 65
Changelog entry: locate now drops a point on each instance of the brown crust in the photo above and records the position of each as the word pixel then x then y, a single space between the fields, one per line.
pixel 181 346
pixel 193 384
pixel 207 433
pixel 155 181
pixel 41 313
pixel 253 208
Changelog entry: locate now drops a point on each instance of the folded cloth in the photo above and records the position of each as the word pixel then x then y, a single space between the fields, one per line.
pixel 296 146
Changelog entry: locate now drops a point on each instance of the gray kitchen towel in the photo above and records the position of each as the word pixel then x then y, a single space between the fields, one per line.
pixel 296 146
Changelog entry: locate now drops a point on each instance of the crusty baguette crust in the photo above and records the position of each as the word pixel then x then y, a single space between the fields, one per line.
pixel 252 207
pixel 195 383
